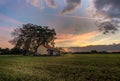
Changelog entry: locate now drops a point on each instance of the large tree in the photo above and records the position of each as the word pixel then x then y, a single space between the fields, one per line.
pixel 29 37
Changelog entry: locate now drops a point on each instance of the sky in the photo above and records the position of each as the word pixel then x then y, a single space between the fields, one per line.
pixel 77 22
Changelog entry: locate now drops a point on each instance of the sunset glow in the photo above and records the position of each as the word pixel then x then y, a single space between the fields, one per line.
pixel 73 20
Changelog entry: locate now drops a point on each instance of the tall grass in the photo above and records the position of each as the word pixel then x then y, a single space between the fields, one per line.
pixel 61 68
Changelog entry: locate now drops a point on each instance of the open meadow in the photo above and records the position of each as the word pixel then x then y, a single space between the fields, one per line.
pixel 84 67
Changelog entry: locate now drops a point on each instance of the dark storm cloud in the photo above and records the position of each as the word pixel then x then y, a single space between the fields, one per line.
pixel 71 5
pixel 51 3
pixel 108 8
pixel 107 26
pixel 109 12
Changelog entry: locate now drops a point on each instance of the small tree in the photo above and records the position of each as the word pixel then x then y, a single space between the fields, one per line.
pixel 29 37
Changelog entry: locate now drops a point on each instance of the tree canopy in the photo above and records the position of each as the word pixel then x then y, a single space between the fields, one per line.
pixel 29 37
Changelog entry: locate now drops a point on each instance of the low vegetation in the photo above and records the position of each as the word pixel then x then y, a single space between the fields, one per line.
pixel 69 67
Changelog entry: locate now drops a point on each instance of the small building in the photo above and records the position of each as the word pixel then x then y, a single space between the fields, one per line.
pixel 47 50
pixel 42 50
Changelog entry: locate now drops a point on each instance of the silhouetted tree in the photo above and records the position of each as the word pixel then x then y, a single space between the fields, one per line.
pixel 29 37
pixel 16 51
pixel 94 51
pixel 5 51
pixel 60 50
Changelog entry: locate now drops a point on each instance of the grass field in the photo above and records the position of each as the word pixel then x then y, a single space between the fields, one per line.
pixel 61 68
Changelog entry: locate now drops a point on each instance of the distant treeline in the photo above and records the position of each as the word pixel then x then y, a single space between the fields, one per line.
pixel 16 51
pixel 10 51
pixel 96 52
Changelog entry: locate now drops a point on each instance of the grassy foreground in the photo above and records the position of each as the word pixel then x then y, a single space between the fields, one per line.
pixel 62 68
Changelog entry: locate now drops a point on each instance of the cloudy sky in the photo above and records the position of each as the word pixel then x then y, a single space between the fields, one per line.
pixel 74 20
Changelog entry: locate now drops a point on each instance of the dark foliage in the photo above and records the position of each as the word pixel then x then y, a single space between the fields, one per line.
pixel 4 51
pixel 29 37
pixel 16 51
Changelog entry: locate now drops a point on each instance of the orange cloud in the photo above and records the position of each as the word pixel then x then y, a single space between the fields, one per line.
pixel 66 40
pixel 5 36
pixel 4 41
pixel 102 41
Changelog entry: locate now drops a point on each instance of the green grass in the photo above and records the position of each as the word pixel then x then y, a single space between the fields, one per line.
pixel 61 68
